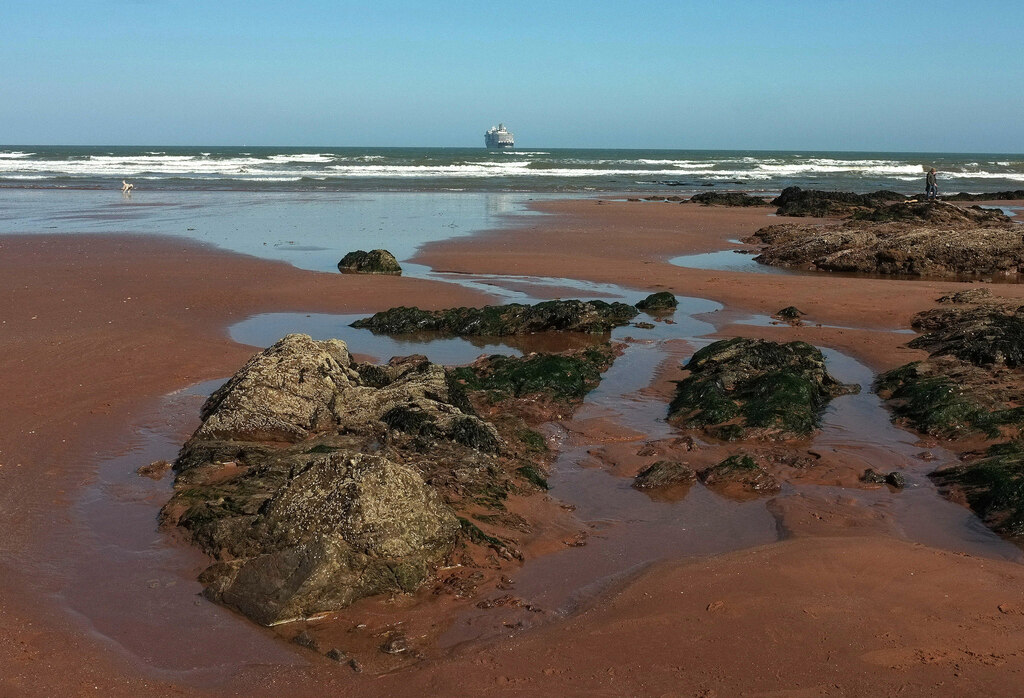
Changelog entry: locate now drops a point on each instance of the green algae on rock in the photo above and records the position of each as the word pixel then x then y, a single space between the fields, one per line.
pixel 794 201
pixel 566 376
pixel 750 388
pixel 504 320
pixel 993 487
pixel 662 474
pixel 662 300
pixel 731 198
pixel 740 472
pixel 372 262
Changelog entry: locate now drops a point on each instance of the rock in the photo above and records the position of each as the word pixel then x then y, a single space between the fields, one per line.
pixel 1015 195
pixel 336 655
pixel 894 479
pixel 314 481
pixel 719 198
pixel 395 644
pixel 740 388
pixel 983 336
pixel 155 470
pixel 992 486
pixel 306 639
pixel 740 471
pixel 975 295
pixel 794 201
pixel 935 240
pixel 664 473
pixel 372 262
pixel 644 325
pixel 504 320
pixel 566 376
pixel 662 300
pixel 790 314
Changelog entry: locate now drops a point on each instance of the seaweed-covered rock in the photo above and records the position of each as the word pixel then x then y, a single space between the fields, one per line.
pixel 740 472
pixel 372 262
pixel 794 201
pixel 948 398
pixel 314 481
pixel 952 242
pixel 504 320
pixel 993 487
pixel 566 376
pixel 662 300
pixel 664 473
pixel 931 213
pixel 982 335
pixel 740 388
pixel 721 198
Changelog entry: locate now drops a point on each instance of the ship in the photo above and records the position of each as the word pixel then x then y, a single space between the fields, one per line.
pixel 498 137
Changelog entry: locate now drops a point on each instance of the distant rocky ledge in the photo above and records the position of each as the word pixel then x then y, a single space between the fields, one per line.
pixel 931 239
pixel 315 480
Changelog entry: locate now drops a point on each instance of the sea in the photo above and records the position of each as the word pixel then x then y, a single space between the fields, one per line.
pixel 538 170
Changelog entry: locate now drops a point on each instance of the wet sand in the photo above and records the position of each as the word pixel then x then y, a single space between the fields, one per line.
pixel 96 329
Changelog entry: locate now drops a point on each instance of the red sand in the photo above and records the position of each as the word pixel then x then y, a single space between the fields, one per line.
pixel 95 328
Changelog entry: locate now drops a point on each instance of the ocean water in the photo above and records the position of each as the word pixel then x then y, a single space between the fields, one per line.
pixel 555 170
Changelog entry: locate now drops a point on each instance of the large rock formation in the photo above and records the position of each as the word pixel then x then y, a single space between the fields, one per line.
pixel 741 388
pixel 938 240
pixel 504 320
pixel 794 201
pixel 314 481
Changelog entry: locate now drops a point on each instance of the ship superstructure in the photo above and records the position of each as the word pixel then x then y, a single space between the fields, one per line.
pixel 499 137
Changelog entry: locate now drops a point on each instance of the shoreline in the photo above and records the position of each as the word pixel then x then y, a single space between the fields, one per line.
pixel 174 334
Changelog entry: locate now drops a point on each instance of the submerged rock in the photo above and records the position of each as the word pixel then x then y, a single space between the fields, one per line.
pixel 662 300
pixel 314 481
pixel 372 262
pixel 504 320
pixel 720 198
pixel 993 487
pixel 794 201
pixel 740 388
pixel 740 472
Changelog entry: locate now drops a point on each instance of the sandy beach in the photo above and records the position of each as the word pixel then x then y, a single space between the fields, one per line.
pixel 98 329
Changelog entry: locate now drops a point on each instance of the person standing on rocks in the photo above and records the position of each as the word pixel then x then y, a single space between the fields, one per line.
pixel 931 187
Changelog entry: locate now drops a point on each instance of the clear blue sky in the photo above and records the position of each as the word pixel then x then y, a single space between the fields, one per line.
pixel 928 75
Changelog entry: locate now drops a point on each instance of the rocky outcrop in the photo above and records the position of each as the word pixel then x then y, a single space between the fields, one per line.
pixel 992 486
pixel 663 474
pixel 662 300
pixel 1015 195
pixel 973 380
pixel 720 198
pixel 566 376
pixel 750 388
pixel 794 201
pixel 740 474
pixel 504 320
pixel 935 240
pixel 314 480
pixel 790 314
pixel 372 262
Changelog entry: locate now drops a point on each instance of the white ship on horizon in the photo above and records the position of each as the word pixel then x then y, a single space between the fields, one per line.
pixel 499 137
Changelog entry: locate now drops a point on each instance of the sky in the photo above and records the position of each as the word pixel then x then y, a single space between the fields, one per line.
pixel 929 76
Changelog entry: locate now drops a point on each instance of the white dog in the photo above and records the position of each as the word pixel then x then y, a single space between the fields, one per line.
pixel 126 187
